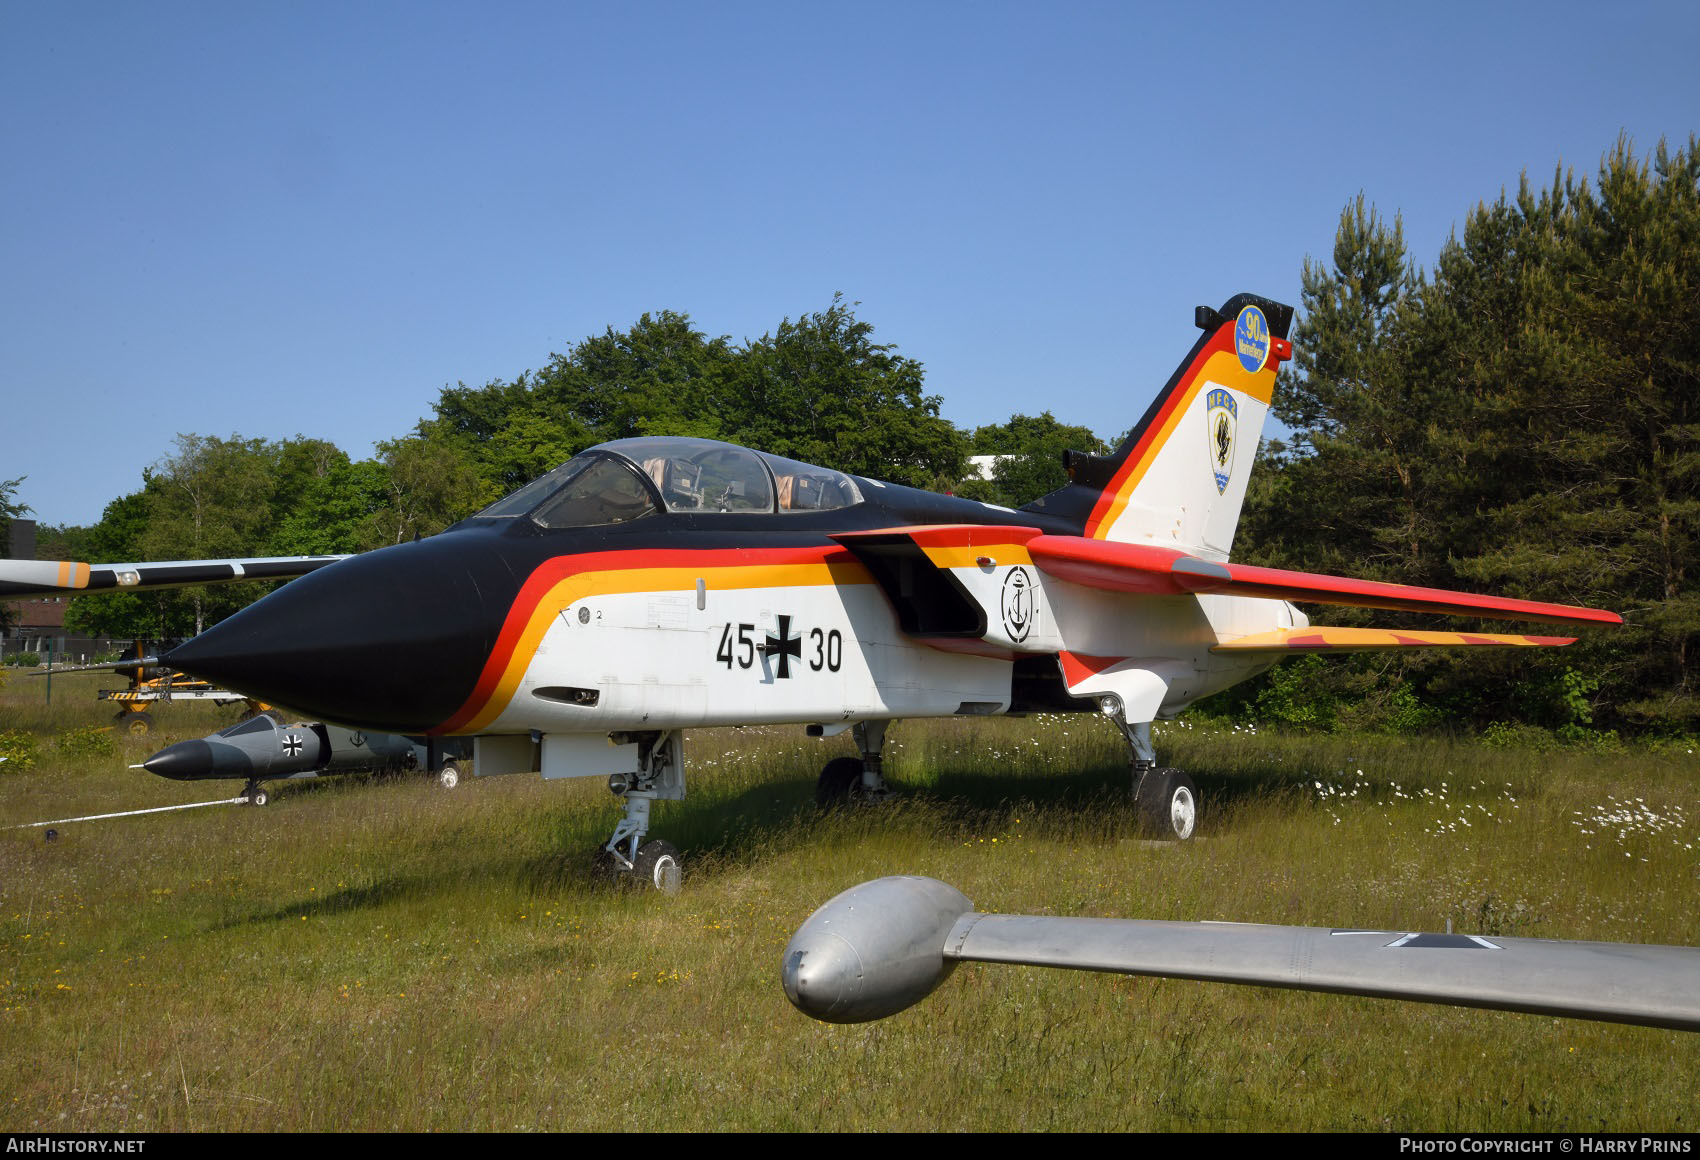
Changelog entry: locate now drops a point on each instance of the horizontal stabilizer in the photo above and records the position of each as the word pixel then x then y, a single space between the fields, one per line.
pixel 883 946
pixel 1164 571
pixel 28 579
pixel 1319 639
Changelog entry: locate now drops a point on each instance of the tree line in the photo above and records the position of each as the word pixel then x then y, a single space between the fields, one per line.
pixel 818 388
pixel 1523 420
pixel 1520 419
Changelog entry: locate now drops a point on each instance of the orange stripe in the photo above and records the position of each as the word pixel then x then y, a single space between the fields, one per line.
pixel 1004 553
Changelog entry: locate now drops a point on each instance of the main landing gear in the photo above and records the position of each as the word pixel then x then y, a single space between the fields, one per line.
pixel 851 779
pixel 1166 799
pixel 661 777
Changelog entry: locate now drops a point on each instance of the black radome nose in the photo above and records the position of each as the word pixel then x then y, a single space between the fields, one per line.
pixel 391 640
pixel 184 761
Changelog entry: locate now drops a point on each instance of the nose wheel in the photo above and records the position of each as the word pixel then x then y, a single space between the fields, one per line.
pixel 255 794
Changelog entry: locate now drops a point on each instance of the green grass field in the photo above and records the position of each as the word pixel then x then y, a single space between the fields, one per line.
pixel 372 954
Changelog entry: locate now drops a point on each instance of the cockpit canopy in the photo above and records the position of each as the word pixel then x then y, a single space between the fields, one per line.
pixel 626 479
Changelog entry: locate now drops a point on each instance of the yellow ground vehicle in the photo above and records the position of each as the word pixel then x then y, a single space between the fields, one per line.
pixel 146 691
pixel 152 684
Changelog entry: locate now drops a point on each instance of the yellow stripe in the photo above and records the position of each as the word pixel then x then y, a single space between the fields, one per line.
pixel 1362 639
pixel 1003 554
pixel 575 588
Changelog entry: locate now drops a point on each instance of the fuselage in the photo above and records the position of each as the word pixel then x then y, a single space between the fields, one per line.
pixel 679 618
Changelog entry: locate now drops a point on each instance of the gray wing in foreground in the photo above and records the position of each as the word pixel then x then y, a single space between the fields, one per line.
pixel 1657 986
pixel 27 579
pixel 883 946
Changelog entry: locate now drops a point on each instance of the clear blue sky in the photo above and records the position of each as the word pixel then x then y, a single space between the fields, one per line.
pixel 309 217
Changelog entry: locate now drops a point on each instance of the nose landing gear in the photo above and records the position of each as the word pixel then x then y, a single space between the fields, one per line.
pixel 660 777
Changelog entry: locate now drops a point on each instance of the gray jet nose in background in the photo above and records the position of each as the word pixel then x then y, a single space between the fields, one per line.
pixel 257 748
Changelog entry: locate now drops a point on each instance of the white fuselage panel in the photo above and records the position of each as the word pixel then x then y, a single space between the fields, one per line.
pixel 655 660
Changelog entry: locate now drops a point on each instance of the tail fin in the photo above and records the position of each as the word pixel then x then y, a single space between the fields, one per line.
pixel 1179 477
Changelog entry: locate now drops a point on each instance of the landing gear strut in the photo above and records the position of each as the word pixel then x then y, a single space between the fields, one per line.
pixel 1167 799
pixel 852 779
pixel 255 794
pixel 661 777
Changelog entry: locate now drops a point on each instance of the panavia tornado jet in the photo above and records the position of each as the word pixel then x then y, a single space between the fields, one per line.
pixel 648 586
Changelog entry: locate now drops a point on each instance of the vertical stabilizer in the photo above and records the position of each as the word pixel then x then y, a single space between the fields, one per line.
pixel 1179 478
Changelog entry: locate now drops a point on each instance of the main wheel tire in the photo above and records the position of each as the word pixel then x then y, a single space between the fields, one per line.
pixel 135 724
pixel 1168 804
pixel 657 865
pixel 839 782
pixel 449 776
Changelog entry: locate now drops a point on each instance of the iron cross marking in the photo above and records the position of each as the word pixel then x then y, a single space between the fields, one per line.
pixel 784 646
pixel 292 744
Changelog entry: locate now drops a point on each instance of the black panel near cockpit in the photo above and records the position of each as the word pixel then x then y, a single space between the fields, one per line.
pixel 929 602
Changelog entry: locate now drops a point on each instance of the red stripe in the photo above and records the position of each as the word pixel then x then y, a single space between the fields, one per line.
pixel 1077 667
pixel 1111 566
